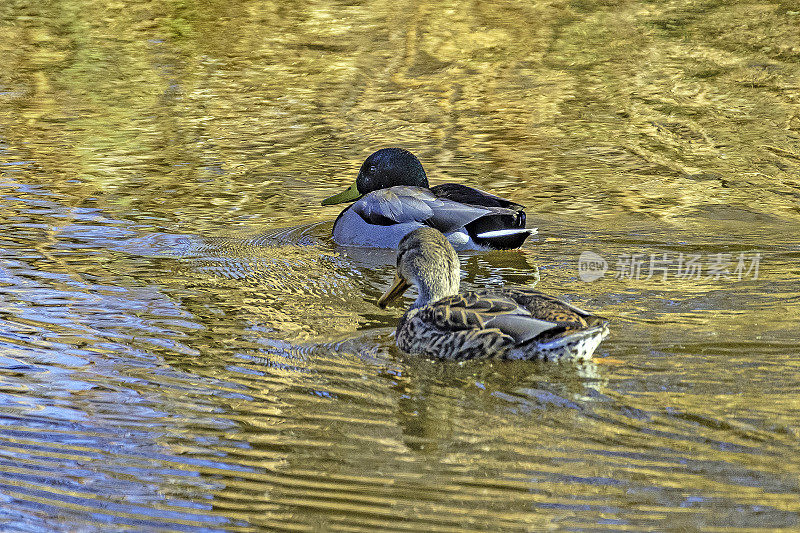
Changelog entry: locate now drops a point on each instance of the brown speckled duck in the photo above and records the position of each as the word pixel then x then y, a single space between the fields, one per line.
pixel 507 323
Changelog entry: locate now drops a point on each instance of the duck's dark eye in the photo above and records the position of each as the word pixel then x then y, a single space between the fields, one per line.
pixel 373 169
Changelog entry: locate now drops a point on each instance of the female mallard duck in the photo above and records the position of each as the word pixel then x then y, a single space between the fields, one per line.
pixel 504 323
pixel 393 198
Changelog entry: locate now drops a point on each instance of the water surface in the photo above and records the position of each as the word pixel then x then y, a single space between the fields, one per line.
pixel 182 347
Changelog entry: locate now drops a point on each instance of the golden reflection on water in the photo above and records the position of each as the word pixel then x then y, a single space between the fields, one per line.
pixel 605 111
pixel 179 360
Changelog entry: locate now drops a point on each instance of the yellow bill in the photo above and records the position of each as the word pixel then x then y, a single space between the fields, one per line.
pixel 399 286
pixel 349 195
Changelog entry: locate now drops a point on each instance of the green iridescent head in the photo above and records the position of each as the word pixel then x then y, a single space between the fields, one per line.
pixel 385 168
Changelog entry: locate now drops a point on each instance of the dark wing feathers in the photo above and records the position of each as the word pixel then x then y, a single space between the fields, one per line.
pixel 500 214
pixel 522 314
pixel 547 307
pixel 449 216
pixel 467 195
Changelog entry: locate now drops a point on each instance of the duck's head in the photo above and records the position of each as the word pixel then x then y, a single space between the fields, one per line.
pixel 427 260
pixel 385 168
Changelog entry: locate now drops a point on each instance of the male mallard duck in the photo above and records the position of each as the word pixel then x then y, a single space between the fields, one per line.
pixel 516 323
pixel 393 198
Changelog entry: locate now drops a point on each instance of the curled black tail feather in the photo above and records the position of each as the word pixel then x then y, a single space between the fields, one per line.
pixel 495 222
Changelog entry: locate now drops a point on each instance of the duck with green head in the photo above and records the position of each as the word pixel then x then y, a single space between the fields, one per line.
pixel 392 198
pixel 506 323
